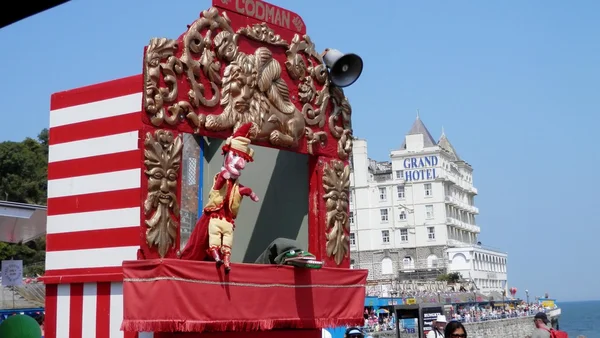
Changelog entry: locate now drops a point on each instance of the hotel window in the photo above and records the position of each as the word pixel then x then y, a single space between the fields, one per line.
pixel 352 239
pixel 399 174
pixel 385 236
pixel 351 217
pixel 428 191
pixel 430 233
pixel 403 235
pixel 382 194
pixel 400 189
pixel 402 215
pixel 384 215
pixel 429 211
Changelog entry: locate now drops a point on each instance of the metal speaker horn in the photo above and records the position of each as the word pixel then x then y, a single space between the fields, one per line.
pixel 344 69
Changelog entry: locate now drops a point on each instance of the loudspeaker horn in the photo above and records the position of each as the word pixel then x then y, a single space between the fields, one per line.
pixel 344 69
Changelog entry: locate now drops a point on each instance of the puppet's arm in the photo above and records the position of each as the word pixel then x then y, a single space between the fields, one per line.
pixel 245 191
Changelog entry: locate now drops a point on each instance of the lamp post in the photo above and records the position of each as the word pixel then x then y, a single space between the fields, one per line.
pixel 527 296
pixel 393 293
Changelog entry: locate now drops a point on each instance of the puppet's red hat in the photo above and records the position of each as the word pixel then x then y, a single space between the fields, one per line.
pixel 239 142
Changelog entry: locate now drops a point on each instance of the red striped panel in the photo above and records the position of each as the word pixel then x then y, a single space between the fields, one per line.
pixel 51 304
pixel 83 275
pixel 97 92
pixel 127 334
pixel 103 311
pixel 93 239
pixel 128 198
pixel 95 165
pixel 76 310
pixel 95 128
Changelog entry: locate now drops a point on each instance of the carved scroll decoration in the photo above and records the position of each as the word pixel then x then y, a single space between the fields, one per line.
pixel 249 89
pixel 162 159
pixel 336 183
pixel 262 33
pixel 312 71
pixel 156 97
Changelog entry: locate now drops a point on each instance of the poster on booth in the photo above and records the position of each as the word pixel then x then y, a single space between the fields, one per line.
pixel 12 273
pixel 429 315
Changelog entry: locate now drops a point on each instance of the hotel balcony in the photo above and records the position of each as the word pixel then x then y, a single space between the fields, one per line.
pixel 444 176
pixel 462 225
pixel 458 244
pixel 456 203
pixel 450 200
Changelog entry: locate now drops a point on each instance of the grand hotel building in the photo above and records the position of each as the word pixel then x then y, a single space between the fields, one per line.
pixel 414 217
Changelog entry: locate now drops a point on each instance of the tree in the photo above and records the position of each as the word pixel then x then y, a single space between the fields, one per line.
pixel 23 178
pixel 24 170
pixel 452 277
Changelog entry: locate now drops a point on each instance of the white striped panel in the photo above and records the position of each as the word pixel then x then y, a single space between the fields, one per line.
pixel 96 146
pixel 90 258
pixel 89 184
pixel 96 110
pixel 93 220
pixel 116 310
pixel 63 306
pixel 90 300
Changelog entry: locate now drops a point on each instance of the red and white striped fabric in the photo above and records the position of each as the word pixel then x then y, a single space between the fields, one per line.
pixel 94 178
pixel 86 310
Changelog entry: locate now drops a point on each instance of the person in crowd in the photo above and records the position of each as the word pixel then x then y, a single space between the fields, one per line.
pixel 40 320
pixel 542 330
pixel 455 329
pixel 354 332
pixel 437 331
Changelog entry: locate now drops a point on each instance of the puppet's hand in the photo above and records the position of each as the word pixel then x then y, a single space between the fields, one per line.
pixel 254 197
pixel 226 175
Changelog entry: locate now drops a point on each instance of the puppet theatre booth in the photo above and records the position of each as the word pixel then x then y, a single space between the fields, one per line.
pixel 208 196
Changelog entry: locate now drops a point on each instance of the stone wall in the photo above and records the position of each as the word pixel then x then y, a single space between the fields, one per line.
pixel 504 328
pixel 371 260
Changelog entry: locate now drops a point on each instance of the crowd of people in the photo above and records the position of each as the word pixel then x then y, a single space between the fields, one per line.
pixel 382 320
pixel 442 328
pixel 478 313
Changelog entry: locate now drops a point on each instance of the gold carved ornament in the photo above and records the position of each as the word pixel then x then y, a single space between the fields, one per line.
pixel 336 183
pixel 250 88
pixel 162 155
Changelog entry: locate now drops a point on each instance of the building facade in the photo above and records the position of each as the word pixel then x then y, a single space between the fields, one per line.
pixel 407 213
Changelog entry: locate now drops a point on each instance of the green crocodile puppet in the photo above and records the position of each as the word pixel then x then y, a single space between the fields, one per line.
pixel 285 251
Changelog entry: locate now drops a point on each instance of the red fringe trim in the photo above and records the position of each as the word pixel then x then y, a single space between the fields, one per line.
pixel 234 325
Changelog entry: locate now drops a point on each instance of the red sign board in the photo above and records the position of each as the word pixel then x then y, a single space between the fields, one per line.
pixel 264 11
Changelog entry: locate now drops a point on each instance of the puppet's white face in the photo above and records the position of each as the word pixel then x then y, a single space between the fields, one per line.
pixel 234 164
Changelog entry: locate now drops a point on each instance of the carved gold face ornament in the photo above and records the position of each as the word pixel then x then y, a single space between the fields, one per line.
pixel 162 160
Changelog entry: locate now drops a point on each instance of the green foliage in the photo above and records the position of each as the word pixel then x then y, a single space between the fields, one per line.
pixel 452 277
pixel 23 179
pixel 32 253
pixel 24 169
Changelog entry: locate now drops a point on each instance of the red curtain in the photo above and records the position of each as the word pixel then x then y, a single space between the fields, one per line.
pixel 254 334
pixel 186 296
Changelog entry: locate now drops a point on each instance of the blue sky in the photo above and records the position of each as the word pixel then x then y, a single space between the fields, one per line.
pixel 515 84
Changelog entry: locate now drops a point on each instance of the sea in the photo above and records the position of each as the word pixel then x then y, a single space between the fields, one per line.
pixel 580 318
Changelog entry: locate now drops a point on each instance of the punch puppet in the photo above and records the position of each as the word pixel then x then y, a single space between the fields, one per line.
pixel 212 237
